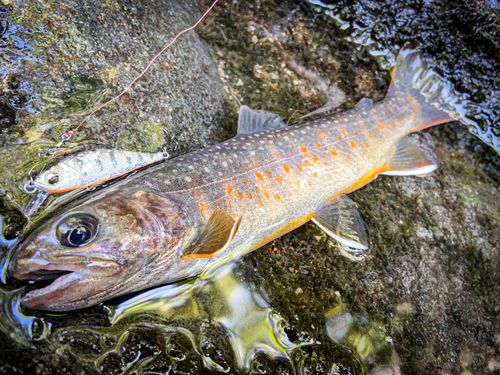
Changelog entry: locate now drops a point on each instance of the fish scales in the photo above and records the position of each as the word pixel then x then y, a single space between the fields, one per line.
pixel 263 176
pixel 190 214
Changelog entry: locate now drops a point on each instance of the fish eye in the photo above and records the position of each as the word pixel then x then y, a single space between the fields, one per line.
pixel 77 230
pixel 53 178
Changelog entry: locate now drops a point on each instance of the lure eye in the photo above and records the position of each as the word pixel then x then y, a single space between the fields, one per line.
pixel 53 178
pixel 77 230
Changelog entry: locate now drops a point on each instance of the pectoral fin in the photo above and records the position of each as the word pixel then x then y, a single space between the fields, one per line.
pixel 215 238
pixel 408 160
pixel 340 219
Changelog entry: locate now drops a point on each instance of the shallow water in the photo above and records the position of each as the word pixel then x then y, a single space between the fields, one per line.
pixel 425 297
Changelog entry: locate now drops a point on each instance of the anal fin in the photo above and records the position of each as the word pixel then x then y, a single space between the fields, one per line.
pixel 215 238
pixel 340 219
pixel 408 160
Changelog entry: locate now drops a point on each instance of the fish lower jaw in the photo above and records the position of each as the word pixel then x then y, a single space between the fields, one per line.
pixel 39 298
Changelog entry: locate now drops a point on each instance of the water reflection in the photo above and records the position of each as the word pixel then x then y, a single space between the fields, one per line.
pixel 249 322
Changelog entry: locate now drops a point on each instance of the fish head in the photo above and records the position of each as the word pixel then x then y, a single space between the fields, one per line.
pixel 59 178
pixel 112 244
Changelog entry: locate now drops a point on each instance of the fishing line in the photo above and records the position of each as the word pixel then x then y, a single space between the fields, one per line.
pixel 67 135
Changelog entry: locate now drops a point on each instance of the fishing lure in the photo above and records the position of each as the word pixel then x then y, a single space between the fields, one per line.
pixel 90 168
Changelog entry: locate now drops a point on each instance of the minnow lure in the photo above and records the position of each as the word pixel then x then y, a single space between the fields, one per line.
pixel 202 209
pixel 90 168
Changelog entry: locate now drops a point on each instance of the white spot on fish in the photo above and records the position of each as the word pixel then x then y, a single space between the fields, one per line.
pixel 190 167
pixel 224 164
pixel 252 153
pixel 286 137
pixel 303 132
pixel 206 169
pixel 188 179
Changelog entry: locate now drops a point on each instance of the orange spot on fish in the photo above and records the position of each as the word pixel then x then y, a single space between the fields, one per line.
pixel 217 199
pixel 333 152
pixel 338 138
pixel 353 144
pixel 315 159
pixel 257 190
pixel 259 176
pixel 176 194
pixel 266 194
pixel 290 154
pixel 235 216
pixel 389 125
pixel 279 179
pixel 315 174
pixel 244 210
pixel 321 136
pixel 411 113
pixel 409 99
pixel 249 196
pixel 380 125
pixel 361 123
pixel 317 145
pixel 374 129
pixel 191 193
pixel 366 145
pixel 258 165
pixel 299 167
pixel 349 158
pixel 261 204
pixel 355 133
pixel 274 153
pixel 244 180
pixel 240 196
pixel 228 189
pixel 303 149
pixel 392 110
pixel 325 164
pixel 342 131
pixel 286 168
pixel 241 169
pixel 396 123
pixel 309 183
pixel 267 162
pixel 277 197
pixel 415 109
pixel 370 136
pixel 206 182
pixel 307 163
pixel 269 174
pixel 290 193
pixel 203 207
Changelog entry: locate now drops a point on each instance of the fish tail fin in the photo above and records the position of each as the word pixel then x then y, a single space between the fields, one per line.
pixel 413 78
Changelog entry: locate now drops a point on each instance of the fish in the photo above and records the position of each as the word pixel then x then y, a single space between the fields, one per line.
pixel 205 208
pixel 89 168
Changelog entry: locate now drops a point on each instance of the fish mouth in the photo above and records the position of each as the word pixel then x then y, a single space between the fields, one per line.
pixel 75 277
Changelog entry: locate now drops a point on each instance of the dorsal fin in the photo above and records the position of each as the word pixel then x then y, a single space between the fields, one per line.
pixel 340 219
pixel 250 122
pixel 408 160
pixel 215 238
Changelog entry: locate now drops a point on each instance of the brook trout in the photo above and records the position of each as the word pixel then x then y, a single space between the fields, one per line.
pixel 176 219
